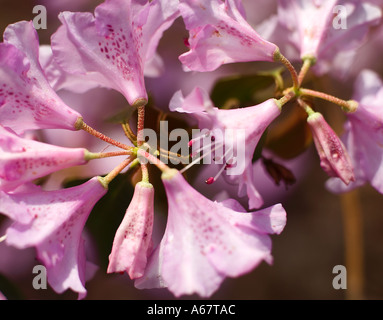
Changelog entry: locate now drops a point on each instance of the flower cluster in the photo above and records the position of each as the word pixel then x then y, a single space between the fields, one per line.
pixel 206 239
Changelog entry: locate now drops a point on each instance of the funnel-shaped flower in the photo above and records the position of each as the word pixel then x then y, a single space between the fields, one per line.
pixel 219 34
pixel 206 241
pixel 26 99
pixel 333 155
pixel 236 131
pixel 328 30
pixel 133 240
pixel 115 45
pixel 52 221
pixel 23 160
pixel 364 134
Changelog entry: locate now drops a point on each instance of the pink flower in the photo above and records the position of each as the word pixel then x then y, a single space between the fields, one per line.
pixel 206 241
pixel 133 240
pixel 52 221
pixel 117 45
pixel 219 34
pixel 364 134
pixel 23 160
pixel 244 125
pixel 26 99
pixel 334 158
pixel 329 30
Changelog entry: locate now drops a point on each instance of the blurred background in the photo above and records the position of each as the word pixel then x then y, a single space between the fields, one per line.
pixel 314 240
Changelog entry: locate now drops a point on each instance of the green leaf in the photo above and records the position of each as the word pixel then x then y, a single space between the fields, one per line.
pixel 243 90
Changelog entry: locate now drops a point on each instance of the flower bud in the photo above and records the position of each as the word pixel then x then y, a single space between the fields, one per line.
pixel 334 158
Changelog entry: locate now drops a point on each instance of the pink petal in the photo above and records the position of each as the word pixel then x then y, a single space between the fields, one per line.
pixel 133 238
pixel 26 99
pixel 114 46
pixel 205 241
pixel 58 218
pixel 219 34
pixel 23 160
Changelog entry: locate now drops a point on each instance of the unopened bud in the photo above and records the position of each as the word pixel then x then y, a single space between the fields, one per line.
pixel 334 158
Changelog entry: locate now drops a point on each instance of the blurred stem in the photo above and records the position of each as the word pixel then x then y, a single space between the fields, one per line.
pixel 307 63
pixel 306 107
pixel 294 75
pixel 349 106
pixel 129 133
pixel 353 241
pixel 288 95
pixel 92 156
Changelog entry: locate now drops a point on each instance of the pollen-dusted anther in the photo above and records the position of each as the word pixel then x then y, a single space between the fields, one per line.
pixel 210 180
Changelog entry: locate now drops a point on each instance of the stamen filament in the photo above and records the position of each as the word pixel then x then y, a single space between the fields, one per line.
pixel 205 147
pixel 200 158
pixel 172 155
pixel 2 238
pixel 203 135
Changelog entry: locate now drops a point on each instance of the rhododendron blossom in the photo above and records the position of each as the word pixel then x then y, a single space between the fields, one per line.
pixel 340 30
pixel 52 221
pixel 206 241
pixel 186 195
pixel 219 34
pixel 253 120
pixel 115 46
pixel 364 134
